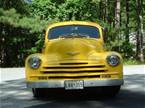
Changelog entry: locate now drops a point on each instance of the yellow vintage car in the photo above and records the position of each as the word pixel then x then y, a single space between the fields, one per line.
pixel 74 58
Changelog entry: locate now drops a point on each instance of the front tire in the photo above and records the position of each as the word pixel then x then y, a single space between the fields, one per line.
pixel 38 92
pixel 110 91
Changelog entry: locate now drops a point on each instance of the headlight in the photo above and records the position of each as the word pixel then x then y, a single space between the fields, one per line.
pixel 34 62
pixel 113 60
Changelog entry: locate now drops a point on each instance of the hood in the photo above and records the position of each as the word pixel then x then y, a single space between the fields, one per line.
pixel 72 48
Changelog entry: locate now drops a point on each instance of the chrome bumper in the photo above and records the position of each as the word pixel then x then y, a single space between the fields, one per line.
pixel 87 83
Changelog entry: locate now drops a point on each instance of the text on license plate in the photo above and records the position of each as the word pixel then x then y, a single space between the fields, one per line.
pixel 74 84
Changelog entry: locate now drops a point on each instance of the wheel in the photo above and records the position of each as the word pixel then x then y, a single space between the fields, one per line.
pixel 38 92
pixel 110 91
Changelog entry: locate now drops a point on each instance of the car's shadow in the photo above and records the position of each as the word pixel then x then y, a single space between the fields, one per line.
pixel 125 99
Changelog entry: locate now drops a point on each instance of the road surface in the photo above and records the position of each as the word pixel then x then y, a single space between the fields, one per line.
pixel 14 94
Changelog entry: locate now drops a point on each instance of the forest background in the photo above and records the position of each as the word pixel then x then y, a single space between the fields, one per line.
pixel 23 24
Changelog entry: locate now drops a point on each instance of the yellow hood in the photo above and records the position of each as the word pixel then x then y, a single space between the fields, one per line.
pixel 72 48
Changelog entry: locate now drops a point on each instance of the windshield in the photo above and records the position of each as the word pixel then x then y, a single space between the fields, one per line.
pixel 69 31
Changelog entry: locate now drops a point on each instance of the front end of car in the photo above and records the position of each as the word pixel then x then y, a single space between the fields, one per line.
pixel 74 64
pixel 102 71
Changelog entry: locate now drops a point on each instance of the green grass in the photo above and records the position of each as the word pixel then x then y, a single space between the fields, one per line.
pixel 131 62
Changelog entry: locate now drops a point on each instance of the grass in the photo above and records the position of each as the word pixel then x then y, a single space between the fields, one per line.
pixel 131 62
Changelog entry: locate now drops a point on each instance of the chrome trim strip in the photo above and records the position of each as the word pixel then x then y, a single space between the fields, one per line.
pixel 87 83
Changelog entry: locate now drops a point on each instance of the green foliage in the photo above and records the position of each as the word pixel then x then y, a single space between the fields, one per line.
pixel 131 62
pixel 65 9
pixel 18 5
pixel 18 34
pixel 15 19
pixel 22 25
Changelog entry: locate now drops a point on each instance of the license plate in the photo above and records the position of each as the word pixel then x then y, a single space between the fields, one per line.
pixel 74 84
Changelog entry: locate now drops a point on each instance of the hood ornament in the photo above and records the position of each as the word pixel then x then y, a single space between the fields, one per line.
pixel 72 53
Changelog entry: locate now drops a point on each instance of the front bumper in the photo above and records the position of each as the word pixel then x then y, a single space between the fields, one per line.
pixel 87 83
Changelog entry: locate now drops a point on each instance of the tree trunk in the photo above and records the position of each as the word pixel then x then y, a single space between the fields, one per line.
pixel 117 20
pixel 106 10
pixel 117 15
pixel 100 8
pixel 139 43
pixel 127 22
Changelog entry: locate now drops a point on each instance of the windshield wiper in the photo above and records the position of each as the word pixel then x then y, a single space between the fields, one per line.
pixel 83 35
pixel 65 36
pixel 74 36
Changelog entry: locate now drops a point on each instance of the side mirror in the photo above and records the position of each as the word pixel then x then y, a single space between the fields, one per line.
pixel 43 48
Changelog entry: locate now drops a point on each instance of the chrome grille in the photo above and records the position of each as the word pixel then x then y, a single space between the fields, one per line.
pixel 73 71
pixel 79 63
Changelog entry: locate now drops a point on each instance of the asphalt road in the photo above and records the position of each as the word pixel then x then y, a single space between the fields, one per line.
pixel 14 94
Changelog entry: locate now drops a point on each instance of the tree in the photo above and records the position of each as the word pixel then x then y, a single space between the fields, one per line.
pixel 65 10
pixel 127 22
pixel 18 35
pixel 117 15
pixel 22 25
pixel 139 49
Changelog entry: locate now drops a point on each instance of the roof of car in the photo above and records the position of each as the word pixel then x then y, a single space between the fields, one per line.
pixel 74 23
